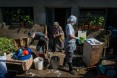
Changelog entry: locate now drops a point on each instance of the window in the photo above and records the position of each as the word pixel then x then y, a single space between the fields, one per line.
pixel 94 17
pixel 14 15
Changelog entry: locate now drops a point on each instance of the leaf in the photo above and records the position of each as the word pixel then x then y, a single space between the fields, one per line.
pixel 6 45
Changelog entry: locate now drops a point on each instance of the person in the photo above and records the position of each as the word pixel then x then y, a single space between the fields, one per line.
pixel 70 45
pixel 58 37
pixel 41 43
pixel 113 40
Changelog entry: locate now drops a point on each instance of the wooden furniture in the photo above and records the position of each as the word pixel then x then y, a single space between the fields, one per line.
pixel 92 51
pixel 17 43
pixel 25 64
pixel 21 42
pixel 25 41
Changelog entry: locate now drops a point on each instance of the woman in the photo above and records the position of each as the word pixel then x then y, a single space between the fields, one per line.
pixel 58 37
pixel 70 40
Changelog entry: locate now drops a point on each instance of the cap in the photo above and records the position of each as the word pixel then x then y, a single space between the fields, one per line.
pixel 30 33
pixel 72 18
pixel 56 24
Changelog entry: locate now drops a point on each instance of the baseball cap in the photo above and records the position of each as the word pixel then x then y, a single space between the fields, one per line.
pixel 30 33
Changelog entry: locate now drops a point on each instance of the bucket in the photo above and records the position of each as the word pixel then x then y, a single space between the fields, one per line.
pixel 3 67
pixel 55 62
pixel 38 62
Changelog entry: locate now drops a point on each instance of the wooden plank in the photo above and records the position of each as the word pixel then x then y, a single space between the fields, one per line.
pixel 25 41
pixel 17 43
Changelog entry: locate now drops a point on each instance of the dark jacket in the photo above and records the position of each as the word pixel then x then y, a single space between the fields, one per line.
pixel 39 36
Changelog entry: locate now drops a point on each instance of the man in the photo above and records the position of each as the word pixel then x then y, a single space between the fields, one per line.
pixel 41 43
pixel 70 45
pixel 58 37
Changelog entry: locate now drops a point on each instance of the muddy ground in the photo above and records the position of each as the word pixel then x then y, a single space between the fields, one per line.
pixel 80 69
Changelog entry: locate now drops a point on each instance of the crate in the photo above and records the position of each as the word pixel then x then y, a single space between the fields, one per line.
pixel 25 41
pixel 24 64
pixel 17 43
pixel 92 52
pixel 21 42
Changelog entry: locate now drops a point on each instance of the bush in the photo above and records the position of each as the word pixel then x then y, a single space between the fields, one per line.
pixel 6 45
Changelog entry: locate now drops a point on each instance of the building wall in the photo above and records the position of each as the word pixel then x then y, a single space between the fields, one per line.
pixel 0 16
pixel 39 6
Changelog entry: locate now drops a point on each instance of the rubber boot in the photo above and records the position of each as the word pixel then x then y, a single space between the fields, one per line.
pixel 64 62
pixel 71 69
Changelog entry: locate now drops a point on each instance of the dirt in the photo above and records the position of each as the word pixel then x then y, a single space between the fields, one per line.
pixel 60 72
pixel 80 70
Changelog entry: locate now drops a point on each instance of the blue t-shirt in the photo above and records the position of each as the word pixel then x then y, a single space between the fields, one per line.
pixel 69 31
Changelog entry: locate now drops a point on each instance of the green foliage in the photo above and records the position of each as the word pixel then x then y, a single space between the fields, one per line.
pixel 17 15
pixel 27 20
pixel 6 45
pixel 97 21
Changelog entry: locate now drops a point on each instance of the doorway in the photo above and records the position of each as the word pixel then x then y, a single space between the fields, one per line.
pixel 59 15
pixel 112 17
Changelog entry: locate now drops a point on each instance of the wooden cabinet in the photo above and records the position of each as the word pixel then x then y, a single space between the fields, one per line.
pixel 92 51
